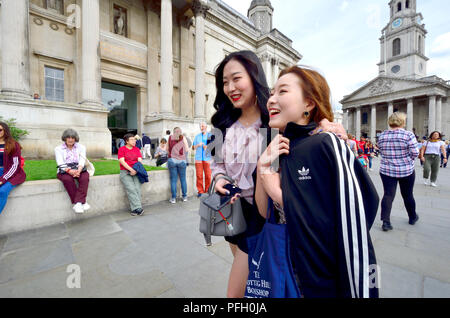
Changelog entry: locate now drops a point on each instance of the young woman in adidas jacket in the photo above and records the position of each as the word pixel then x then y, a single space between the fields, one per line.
pixel 328 200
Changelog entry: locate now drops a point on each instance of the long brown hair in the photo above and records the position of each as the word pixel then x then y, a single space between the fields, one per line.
pixel 315 88
pixel 10 142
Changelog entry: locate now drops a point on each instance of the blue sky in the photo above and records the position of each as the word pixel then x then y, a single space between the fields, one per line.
pixel 341 37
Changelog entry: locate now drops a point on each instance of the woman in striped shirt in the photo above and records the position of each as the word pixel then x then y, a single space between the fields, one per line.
pixel 398 149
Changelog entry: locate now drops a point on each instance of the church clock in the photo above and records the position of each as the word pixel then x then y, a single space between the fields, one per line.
pixel 397 23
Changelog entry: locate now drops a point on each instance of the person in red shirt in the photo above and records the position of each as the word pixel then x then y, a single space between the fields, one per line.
pixel 129 155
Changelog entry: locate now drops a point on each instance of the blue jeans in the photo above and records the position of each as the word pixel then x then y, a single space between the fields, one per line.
pixel 5 189
pixel 177 170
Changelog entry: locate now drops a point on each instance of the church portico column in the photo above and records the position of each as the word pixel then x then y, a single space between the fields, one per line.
pixel 439 114
pixel 409 114
pixel 390 108
pixel 166 58
pixel 373 122
pixel 345 120
pixel 90 60
pixel 358 123
pixel 200 7
pixel 15 50
pixel 432 114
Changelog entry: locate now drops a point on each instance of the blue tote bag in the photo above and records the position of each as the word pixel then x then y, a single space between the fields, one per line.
pixel 270 270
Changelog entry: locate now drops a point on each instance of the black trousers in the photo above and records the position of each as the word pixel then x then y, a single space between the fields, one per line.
pixel 390 188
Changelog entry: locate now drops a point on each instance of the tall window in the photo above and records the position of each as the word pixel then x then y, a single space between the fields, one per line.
pixel 407 4
pixel 399 6
pixel 396 47
pixel 54 84
pixel 420 44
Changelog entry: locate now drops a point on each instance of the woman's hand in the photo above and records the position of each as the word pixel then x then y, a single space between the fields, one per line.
pixel 336 128
pixel 219 187
pixel 278 146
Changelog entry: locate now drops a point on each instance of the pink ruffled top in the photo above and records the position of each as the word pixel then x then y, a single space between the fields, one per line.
pixel 240 153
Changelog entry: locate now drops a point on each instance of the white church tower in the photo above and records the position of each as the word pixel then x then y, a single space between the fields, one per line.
pixel 403 42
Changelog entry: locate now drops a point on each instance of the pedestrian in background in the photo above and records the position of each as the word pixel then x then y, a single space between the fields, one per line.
pixel 430 155
pixel 178 149
pixel 146 150
pixel 398 148
pixel 202 159
pixel 161 153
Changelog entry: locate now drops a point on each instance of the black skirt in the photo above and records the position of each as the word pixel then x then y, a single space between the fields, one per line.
pixel 255 223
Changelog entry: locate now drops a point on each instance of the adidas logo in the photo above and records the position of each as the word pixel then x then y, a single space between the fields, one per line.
pixel 304 174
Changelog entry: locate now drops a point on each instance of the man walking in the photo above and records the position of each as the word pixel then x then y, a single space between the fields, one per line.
pixel 146 142
pixel 202 159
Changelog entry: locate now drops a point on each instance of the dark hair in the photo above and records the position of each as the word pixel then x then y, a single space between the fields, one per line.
pixel 10 142
pixel 226 114
pixel 70 133
pixel 167 132
pixel 127 136
pixel 431 135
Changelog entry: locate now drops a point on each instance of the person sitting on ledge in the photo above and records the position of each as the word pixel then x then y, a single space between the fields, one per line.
pixel 70 159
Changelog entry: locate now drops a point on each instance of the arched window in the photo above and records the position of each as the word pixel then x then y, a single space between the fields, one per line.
pixel 399 6
pixel 420 44
pixel 407 4
pixel 396 47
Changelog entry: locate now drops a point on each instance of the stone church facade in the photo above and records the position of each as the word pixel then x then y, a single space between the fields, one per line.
pixel 402 83
pixel 105 67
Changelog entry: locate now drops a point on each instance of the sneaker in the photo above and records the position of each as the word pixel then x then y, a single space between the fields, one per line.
pixel 387 226
pixel 184 199
pixel 78 208
pixel 413 221
pixel 134 212
pixel 173 201
pixel 86 206
pixel 433 184
pixel 199 195
pixel 140 212
pixel 426 182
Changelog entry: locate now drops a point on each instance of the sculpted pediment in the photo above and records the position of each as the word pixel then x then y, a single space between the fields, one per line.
pixel 382 86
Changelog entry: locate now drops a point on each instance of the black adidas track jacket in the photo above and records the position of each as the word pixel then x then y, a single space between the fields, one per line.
pixel 330 204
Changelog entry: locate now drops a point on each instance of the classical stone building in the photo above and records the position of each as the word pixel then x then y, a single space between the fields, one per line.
pixel 105 67
pixel 402 83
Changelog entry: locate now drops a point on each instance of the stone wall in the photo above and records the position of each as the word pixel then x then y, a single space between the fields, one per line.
pixel 36 204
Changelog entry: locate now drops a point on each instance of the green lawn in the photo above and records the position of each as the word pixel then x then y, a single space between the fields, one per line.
pixel 46 169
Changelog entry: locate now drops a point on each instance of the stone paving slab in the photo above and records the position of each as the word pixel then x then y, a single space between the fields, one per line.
pixel 162 254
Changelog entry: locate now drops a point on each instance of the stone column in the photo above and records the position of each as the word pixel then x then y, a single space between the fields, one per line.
pixel 166 74
pixel 15 49
pixel 345 120
pixel 276 69
pixel 439 114
pixel 90 59
pixel 200 7
pixel 358 123
pixel 267 66
pixel 373 123
pixel 185 60
pixel 432 114
pixel 409 114
pixel 390 108
pixel 152 63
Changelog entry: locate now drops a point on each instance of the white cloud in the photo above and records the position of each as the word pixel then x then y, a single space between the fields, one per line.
pixel 441 44
pixel 344 6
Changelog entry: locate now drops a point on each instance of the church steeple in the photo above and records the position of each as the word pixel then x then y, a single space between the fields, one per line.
pixel 403 42
pixel 260 13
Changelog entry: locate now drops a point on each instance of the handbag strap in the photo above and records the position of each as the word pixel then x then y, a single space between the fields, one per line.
pixel 214 181
pixel 270 217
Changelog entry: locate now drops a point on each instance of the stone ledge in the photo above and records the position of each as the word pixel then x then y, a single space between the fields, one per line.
pixel 36 204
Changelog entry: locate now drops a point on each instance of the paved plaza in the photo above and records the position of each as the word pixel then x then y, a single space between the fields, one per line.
pixel 162 254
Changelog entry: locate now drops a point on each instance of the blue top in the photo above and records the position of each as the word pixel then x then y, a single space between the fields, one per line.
pixel 200 153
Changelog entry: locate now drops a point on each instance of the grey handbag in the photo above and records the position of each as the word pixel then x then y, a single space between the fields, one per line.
pixel 229 221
